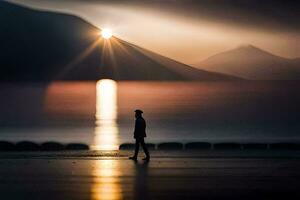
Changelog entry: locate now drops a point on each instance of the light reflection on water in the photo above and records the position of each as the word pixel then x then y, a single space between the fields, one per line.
pixel 106 184
pixel 106 131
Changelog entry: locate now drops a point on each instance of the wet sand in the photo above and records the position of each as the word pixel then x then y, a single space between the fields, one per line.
pixel 169 175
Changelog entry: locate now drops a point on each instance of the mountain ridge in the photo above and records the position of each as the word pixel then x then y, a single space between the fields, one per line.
pixel 250 62
pixel 46 46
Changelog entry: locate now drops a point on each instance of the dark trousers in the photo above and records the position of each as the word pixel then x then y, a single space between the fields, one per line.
pixel 141 141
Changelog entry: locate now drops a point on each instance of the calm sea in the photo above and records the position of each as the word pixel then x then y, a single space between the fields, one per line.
pixel 101 113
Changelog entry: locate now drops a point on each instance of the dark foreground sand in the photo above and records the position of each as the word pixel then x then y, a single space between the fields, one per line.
pixel 169 175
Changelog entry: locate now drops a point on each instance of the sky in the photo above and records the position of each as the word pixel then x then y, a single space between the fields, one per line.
pixel 191 30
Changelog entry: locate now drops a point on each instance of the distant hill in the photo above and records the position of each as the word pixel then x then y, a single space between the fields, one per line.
pixel 45 46
pixel 296 61
pixel 250 62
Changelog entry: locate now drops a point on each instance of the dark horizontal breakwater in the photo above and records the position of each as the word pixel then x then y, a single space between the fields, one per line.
pixel 216 146
pixel 46 146
pixel 56 146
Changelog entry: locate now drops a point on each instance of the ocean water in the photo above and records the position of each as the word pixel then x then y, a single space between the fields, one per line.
pixel 101 113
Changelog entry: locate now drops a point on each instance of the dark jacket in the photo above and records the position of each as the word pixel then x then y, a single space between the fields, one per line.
pixel 140 128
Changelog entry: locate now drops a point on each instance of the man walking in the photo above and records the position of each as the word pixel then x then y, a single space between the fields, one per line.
pixel 139 135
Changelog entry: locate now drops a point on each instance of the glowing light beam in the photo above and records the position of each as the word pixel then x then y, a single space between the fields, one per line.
pixel 106 130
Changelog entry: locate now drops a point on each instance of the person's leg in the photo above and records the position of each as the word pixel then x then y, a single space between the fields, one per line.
pixel 137 147
pixel 145 149
pixel 136 151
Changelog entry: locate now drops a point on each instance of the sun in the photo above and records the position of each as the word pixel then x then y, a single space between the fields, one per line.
pixel 106 33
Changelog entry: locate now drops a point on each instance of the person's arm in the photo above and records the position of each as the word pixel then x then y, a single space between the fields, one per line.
pixel 135 126
pixel 144 124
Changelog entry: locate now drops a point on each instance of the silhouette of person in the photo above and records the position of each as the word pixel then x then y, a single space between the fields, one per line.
pixel 139 135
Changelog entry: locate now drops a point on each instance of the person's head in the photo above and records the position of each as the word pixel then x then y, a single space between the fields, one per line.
pixel 138 113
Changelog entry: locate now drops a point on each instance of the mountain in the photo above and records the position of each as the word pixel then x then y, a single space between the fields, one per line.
pixel 45 46
pixel 296 61
pixel 250 62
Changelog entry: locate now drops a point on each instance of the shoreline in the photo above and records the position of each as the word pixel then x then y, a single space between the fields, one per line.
pixel 155 154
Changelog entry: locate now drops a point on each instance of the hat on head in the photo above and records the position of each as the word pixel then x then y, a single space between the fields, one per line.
pixel 138 111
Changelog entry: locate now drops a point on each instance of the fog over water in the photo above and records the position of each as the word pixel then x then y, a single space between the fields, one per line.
pixel 102 114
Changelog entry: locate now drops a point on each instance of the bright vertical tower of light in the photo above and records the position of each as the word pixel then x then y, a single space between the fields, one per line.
pixel 106 130
pixel 106 183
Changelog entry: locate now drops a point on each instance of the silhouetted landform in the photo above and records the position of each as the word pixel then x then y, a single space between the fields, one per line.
pixel 254 146
pixel 45 46
pixel 77 146
pixel 131 146
pixel 170 146
pixel 151 146
pixel 27 146
pixel 127 146
pixel 52 146
pixel 285 146
pixel 46 146
pixel 216 146
pixel 7 146
pixel 56 146
pixel 252 63
pixel 198 145
pixel 227 146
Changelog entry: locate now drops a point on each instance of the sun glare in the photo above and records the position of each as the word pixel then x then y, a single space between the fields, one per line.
pixel 106 33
